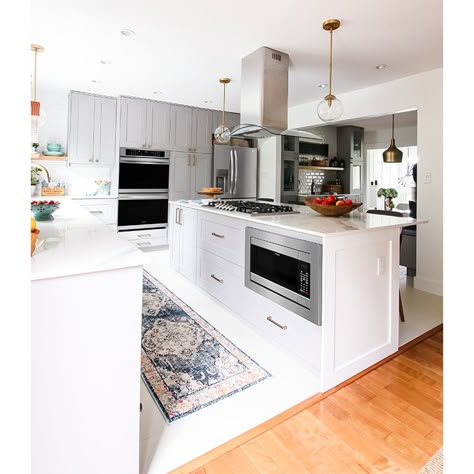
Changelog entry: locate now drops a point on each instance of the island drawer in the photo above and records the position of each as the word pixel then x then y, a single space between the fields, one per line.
pixel 105 212
pixel 223 237
pixel 146 238
pixel 221 279
pixel 282 327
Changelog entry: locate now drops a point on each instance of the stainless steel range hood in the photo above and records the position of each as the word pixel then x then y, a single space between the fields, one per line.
pixel 264 96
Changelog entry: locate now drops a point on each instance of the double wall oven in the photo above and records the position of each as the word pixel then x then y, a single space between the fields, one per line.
pixel 143 189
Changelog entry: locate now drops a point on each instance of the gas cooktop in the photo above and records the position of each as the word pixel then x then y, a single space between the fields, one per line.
pixel 252 207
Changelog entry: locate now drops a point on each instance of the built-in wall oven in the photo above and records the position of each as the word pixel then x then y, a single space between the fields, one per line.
pixel 285 270
pixel 143 189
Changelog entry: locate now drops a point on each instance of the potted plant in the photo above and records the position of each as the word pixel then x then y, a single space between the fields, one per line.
pixel 35 175
pixel 388 194
pixel 35 146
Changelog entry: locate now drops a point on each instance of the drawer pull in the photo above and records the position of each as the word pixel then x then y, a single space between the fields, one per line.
pixel 141 236
pixel 281 326
pixel 217 279
pixel 217 235
pixel 141 244
pixel 96 212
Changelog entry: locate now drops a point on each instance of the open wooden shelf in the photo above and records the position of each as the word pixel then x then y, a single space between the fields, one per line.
pixel 332 168
pixel 39 156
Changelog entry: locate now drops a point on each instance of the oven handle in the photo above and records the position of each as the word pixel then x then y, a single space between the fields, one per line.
pixel 142 161
pixel 124 197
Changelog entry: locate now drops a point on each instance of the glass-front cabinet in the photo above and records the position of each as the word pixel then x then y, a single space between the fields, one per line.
pixel 289 177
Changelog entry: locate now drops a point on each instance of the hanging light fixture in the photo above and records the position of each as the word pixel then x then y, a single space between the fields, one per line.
pixel 222 133
pixel 38 116
pixel 330 108
pixel 392 154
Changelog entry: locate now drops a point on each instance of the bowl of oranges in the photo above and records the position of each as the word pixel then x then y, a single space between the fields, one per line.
pixel 331 205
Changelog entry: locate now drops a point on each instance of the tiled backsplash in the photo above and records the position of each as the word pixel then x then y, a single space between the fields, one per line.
pixel 306 178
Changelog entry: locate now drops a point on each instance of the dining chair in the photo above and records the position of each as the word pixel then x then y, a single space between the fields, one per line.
pixel 394 214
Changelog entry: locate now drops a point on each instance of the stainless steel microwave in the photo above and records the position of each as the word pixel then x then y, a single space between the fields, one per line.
pixel 285 270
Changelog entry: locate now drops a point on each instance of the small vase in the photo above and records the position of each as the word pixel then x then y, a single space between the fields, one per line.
pixel 388 204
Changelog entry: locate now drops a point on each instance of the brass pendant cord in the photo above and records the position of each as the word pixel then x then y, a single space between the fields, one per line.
pixel 393 118
pixel 330 62
pixel 223 110
pixel 34 77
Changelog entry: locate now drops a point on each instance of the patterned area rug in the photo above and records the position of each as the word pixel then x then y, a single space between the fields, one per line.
pixel 186 363
pixel 434 465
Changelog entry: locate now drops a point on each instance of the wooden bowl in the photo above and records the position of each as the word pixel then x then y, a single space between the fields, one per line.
pixel 34 237
pixel 331 211
pixel 211 190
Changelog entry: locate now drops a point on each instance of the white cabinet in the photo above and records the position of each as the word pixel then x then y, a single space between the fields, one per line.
pixel 182 240
pixel 189 173
pixel 91 129
pixel 104 209
pixel 144 123
pixel 191 129
pixel 146 238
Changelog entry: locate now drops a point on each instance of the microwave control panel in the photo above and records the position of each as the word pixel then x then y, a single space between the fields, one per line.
pixel 304 283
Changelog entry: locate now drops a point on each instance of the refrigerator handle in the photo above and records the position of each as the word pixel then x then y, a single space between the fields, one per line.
pixel 231 172
pixel 236 170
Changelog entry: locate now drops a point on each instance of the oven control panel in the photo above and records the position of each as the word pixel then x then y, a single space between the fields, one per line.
pixel 303 278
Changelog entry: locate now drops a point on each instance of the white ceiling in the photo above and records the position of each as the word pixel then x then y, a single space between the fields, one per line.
pixel 182 47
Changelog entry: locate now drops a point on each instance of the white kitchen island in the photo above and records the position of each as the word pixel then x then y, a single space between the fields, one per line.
pixel 86 296
pixel 359 291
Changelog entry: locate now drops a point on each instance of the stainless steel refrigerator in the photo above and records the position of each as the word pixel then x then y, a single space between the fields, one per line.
pixel 235 171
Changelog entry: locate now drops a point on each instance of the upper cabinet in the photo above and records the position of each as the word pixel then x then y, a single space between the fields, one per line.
pixel 91 129
pixel 144 123
pixel 191 129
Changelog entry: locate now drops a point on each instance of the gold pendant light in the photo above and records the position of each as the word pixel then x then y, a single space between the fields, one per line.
pixel 222 133
pixel 392 154
pixel 330 108
pixel 35 105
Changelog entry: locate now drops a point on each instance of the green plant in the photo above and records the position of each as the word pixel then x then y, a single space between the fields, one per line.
pixel 387 193
pixel 35 174
pixel 35 145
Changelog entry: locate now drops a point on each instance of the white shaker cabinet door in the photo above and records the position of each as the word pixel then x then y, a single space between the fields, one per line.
pixel 158 125
pixel 81 128
pixel 181 132
pixel 188 250
pixel 202 131
pixel 133 122
pixel 201 169
pixel 104 130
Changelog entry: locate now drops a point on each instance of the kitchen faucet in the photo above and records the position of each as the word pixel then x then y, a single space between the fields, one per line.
pixel 45 171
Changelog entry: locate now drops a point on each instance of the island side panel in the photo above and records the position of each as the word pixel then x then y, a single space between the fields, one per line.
pixel 85 365
pixel 360 303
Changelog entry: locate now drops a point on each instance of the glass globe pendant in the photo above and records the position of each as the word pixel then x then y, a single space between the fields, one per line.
pixel 330 108
pixel 222 133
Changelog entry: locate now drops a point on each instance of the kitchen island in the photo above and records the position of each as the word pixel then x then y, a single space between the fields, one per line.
pixel 86 298
pixel 358 275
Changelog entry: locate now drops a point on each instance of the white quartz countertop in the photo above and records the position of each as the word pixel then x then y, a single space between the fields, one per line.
pixel 310 222
pixel 76 242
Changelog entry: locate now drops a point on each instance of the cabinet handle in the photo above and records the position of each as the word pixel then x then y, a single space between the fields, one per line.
pixel 141 244
pixel 97 160
pixel 91 159
pixel 221 236
pixel 144 145
pixel 217 279
pixel 96 212
pixel 189 159
pixel 180 217
pixel 281 326
pixel 141 236
pixel 194 160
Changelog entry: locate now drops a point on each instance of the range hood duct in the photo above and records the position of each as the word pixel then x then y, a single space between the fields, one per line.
pixel 264 96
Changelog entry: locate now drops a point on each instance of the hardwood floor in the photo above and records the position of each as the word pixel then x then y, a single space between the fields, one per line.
pixel 389 420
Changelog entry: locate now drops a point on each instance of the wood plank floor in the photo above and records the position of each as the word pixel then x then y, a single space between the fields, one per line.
pixel 389 420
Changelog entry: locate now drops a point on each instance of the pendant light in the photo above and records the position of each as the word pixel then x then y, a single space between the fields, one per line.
pixel 222 133
pixel 392 154
pixel 38 116
pixel 330 108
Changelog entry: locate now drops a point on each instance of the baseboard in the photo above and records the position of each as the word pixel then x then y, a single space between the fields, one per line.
pixel 430 286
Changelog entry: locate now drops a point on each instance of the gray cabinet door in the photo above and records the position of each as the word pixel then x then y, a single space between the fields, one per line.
pixel 158 125
pixel 81 128
pixel 202 173
pixel 202 131
pixel 133 115
pixel 181 132
pixel 181 176
pixel 105 124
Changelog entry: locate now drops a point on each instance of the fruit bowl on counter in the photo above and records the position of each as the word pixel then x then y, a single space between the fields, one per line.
pixel 42 210
pixel 332 207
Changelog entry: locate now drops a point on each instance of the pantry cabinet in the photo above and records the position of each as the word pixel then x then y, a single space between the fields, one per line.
pixel 91 129
pixel 144 123
pixel 189 173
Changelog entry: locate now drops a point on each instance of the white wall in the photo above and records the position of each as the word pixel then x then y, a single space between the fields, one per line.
pixel 404 136
pixel 269 168
pixel 424 93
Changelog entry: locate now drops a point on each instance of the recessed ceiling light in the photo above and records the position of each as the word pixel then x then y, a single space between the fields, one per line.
pixel 96 81
pixel 127 32
pixel 157 92
pixel 381 66
pixel 208 101
pixel 105 61
pixel 322 85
